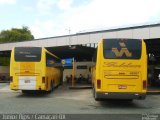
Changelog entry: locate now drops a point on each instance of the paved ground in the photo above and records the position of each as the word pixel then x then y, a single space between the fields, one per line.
pixel 79 101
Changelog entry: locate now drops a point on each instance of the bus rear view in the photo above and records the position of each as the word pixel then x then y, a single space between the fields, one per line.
pixel 120 71
pixel 25 68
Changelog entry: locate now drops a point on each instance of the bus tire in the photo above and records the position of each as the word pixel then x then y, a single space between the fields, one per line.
pixel 61 80
pixel 95 96
pixel 52 86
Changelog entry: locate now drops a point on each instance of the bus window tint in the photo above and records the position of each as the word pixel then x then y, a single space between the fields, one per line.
pixel 122 49
pixel 52 61
pixel 28 54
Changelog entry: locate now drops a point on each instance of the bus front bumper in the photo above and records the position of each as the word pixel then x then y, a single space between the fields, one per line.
pixel 117 95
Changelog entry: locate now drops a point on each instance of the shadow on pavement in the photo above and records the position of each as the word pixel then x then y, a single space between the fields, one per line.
pixel 121 104
pixel 34 94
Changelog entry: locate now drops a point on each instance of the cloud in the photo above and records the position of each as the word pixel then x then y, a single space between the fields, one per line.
pixel 45 6
pixel 28 8
pixel 112 13
pixel 2 2
pixel 48 28
pixel 64 4
pixel 40 28
pixel 96 14
pixel 48 7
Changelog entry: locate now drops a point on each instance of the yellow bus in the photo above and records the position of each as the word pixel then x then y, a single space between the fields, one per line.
pixel 34 69
pixel 120 69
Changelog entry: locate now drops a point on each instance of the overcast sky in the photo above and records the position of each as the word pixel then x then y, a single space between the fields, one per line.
pixel 48 18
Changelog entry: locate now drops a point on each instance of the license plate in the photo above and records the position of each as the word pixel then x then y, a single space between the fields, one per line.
pixel 27 81
pixel 122 86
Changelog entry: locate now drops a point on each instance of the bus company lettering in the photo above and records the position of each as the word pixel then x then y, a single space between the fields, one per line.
pixel 115 64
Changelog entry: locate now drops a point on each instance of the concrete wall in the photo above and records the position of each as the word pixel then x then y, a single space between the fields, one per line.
pixel 91 37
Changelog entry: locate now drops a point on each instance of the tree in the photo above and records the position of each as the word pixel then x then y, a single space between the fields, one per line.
pixel 16 34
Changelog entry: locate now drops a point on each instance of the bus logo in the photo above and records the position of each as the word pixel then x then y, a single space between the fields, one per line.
pixel 124 50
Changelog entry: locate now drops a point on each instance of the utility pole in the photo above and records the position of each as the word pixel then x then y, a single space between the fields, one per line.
pixel 69 30
pixel 69 36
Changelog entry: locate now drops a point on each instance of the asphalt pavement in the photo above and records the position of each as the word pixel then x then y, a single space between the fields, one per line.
pixel 72 101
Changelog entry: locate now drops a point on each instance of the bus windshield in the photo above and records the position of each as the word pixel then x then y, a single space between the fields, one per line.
pixel 28 54
pixel 122 49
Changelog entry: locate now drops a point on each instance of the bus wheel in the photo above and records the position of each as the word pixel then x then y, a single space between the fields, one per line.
pixel 52 86
pixel 61 80
pixel 95 96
